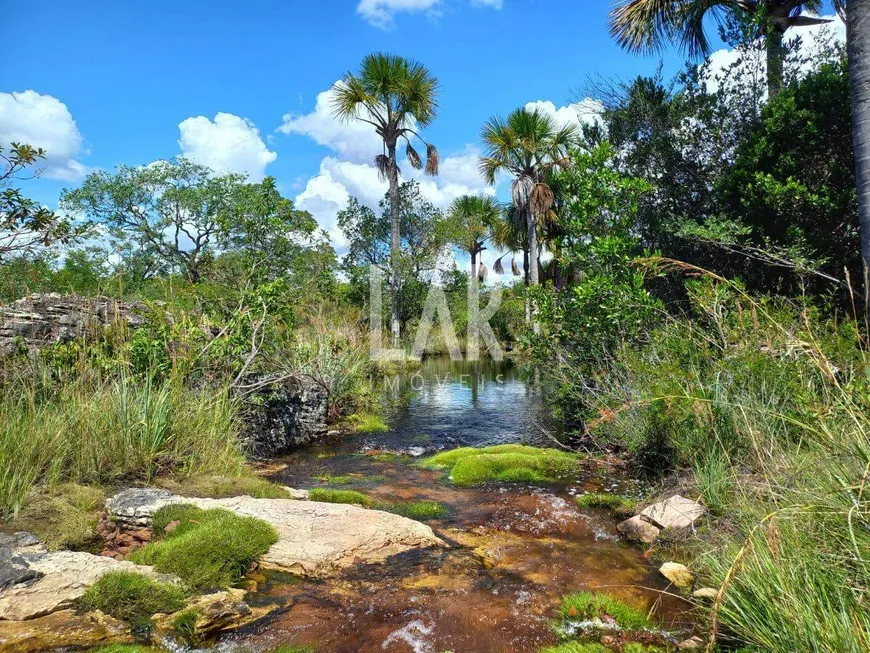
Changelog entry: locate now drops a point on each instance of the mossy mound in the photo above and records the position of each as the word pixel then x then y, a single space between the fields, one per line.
pixel 583 606
pixel 132 597
pixel 508 463
pixel 329 495
pixel 419 510
pixel 619 505
pixel 208 549
pixel 367 423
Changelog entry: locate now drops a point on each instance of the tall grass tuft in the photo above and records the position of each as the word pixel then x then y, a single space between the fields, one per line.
pixel 88 431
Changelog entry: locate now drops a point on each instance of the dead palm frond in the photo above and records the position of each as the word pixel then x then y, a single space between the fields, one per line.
pixel 497 267
pixel 432 160
pixel 413 158
pixel 382 163
pixel 541 200
pixel 515 268
pixel 482 272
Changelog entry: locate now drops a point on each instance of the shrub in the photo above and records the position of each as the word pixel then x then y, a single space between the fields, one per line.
pixel 508 463
pixel 132 597
pixel 208 549
pixel 328 495
pixel 594 605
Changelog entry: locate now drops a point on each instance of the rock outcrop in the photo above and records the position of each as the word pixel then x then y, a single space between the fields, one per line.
pixel 43 319
pixel 315 539
pixel 283 415
pixel 674 514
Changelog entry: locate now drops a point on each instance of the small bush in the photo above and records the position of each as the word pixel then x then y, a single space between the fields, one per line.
pixel 208 549
pixel 419 510
pixel 507 462
pixel 622 506
pixel 132 597
pixel 328 495
pixel 594 605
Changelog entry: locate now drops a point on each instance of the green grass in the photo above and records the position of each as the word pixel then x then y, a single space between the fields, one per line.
pixel 184 624
pixel 124 648
pixel 594 605
pixel 507 463
pixel 63 517
pixel 622 506
pixel 101 432
pixel 329 495
pixel 219 486
pixel 337 480
pixel 576 647
pixel 368 423
pixel 419 510
pixel 132 597
pixel 208 549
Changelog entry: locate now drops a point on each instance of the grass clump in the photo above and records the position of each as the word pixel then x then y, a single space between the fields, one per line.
pixel 65 517
pixel 576 647
pixel 124 648
pixel 622 506
pixel 587 605
pixel 217 487
pixel 132 597
pixel 329 495
pixel 368 423
pixel 208 549
pixel 419 510
pixel 507 463
pixel 184 624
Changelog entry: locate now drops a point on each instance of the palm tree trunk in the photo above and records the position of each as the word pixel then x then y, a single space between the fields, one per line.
pixel 859 82
pixel 395 245
pixel 526 281
pixel 775 50
pixel 473 265
pixel 533 248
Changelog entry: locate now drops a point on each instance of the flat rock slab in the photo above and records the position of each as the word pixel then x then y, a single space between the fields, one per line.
pixel 61 630
pixel 56 580
pixel 676 512
pixel 315 539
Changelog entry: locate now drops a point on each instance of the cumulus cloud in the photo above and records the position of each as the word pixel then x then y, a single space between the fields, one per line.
pixel 381 13
pixel 585 112
pixel 44 121
pixel 228 144
pixel 354 140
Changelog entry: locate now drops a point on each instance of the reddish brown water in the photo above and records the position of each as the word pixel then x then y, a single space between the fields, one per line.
pixel 516 550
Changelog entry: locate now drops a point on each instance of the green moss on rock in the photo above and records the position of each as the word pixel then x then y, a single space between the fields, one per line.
pixel 506 463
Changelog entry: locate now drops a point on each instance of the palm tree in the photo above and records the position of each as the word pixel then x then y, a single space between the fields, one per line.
pixel 472 220
pixel 394 95
pixel 527 144
pixel 858 14
pixel 646 25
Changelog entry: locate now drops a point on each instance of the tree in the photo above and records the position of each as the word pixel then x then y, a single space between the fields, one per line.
pixel 24 224
pixel 169 213
pixel 646 25
pixel 472 219
pixel 394 95
pixel 527 144
pixel 859 84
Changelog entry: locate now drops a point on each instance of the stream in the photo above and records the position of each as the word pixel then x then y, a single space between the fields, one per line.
pixel 516 548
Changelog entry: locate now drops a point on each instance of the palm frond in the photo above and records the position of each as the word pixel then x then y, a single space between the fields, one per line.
pixel 521 191
pixel 541 200
pixel 497 267
pixel 482 271
pixel 432 160
pixel 515 268
pixel 413 158
pixel 382 163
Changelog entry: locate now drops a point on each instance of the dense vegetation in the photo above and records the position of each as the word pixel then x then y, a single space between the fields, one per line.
pixel 700 314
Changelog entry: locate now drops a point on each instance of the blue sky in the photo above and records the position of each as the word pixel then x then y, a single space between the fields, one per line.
pixel 235 85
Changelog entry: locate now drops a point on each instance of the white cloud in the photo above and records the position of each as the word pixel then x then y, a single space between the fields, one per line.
pixel 585 112
pixel 381 13
pixel 44 121
pixel 354 139
pixel 228 144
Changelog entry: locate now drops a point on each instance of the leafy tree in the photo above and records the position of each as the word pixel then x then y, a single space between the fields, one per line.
pixel 646 25
pixel 394 95
pixel 25 226
pixel 471 221
pixel 169 214
pixel 527 144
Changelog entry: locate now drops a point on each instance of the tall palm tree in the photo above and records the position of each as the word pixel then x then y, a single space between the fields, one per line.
pixel 646 25
pixel 527 144
pixel 858 15
pixel 394 95
pixel 472 220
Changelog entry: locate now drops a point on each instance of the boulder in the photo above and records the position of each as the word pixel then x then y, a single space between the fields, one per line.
pixel 674 513
pixel 315 539
pixel 56 580
pixel 678 574
pixel 61 630
pixel 636 528
pixel 217 613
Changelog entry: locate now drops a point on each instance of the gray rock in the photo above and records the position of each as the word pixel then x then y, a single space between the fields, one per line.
pixel 19 540
pixel 14 569
pixel 136 506
pixel 635 528
pixel 676 513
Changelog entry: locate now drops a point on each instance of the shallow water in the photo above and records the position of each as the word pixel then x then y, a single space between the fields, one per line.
pixel 516 549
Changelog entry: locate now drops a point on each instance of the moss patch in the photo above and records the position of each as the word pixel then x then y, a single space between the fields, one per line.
pixel 208 549
pixel 328 495
pixel 622 506
pixel 64 518
pixel 419 510
pixel 217 487
pixel 132 597
pixel 367 423
pixel 594 605
pixel 507 462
